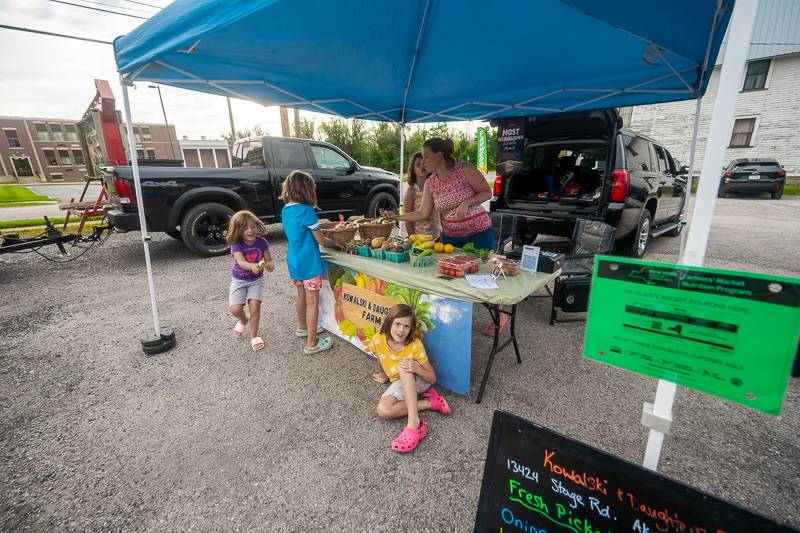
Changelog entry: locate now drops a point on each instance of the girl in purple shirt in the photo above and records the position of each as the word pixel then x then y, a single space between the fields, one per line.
pixel 251 257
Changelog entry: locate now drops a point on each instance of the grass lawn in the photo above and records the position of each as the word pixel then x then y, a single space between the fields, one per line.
pixel 18 193
pixel 35 232
pixel 25 204
pixel 30 222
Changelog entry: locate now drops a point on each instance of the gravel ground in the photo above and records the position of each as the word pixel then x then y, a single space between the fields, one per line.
pixel 211 436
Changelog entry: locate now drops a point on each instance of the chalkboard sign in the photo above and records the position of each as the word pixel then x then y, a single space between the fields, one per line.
pixel 535 481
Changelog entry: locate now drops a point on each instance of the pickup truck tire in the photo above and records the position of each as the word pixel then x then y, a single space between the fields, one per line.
pixel 381 200
pixel 205 227
pixel 175 234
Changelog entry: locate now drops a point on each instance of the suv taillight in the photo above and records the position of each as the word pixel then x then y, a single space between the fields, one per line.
pixel 729 174
pixel 498 185
pixel 619 186
pixel 781 173
pixel 127 195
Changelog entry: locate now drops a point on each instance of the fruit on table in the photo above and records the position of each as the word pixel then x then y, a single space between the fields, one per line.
pixel 377 242
pixel 449 248
pixel 413 237
pixel 424 238
pixel 438 247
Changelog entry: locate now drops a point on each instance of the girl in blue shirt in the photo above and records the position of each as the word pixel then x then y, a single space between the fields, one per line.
pixel 301 226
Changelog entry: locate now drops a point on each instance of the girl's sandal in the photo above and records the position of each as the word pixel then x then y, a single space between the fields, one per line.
pixel 238 329
pixel 438 403
pixel 408 439
pixel 257 343
pixel 323 343
pixel 304 332
pixel 490 329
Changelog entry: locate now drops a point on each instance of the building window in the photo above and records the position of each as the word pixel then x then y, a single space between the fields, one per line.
pixel 146 133
pixel 41 132
pixel 50 156
pixel 136 134
pixel 756 77
pixel 139 154
pixel 151 153
pixel 70 132
pixel 13 138
pixel 63 155
pixel 57 177
pixel 742 132
pixel 58 134
pixel 78 155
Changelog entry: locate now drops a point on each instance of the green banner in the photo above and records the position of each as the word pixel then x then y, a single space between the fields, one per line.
pixel 729 334
pixel 483 153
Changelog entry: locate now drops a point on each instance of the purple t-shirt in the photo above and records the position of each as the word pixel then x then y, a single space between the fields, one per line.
pixel 253 254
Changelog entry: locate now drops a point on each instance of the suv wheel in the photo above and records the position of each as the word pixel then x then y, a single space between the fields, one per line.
pixel 205 227
pixel 636 244
pixel 381 201
pixel 777 194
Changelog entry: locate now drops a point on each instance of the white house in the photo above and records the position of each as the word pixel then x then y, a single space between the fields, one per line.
pixel 767 119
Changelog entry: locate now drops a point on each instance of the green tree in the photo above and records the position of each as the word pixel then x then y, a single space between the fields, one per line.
pixel 307 129
pixel 255 131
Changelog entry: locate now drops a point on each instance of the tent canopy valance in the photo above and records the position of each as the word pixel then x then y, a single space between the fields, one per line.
pixel 431 60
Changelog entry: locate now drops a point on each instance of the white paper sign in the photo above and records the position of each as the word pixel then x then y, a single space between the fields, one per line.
pixel 530 258
pixel 481 281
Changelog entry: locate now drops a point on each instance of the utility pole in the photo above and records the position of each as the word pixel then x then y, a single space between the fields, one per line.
pixel 285 122
pixel 296 122
pixel 233 129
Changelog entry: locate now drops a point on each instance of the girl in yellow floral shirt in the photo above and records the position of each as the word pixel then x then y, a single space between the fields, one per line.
pixel 404 364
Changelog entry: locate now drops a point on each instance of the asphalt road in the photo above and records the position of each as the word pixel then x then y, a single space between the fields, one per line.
pixel 94 436
pixel 58 192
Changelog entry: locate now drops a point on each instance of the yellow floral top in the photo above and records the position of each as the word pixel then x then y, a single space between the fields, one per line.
pixel 388 358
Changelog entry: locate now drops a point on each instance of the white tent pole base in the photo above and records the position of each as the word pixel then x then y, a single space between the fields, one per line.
pixel 733 66
pixel 140 206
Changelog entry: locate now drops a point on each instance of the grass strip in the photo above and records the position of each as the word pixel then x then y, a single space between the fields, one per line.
pixel 29 222
pixel 18 193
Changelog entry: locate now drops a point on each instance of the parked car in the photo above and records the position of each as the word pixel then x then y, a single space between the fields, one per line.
pixel 753 175
pixel 555 169
pixel 195 204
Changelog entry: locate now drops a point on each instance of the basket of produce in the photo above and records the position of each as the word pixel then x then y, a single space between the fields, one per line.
pixel 364 250
pixel 421 257
pixel 509 267
pixel 351 247
pixel 458 266
pixel 377 247
pixel 339 232
pixel 480 253
pixel 396 256
pixel 373 228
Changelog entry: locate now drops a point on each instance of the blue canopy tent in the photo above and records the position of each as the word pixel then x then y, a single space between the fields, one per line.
pixel 419 61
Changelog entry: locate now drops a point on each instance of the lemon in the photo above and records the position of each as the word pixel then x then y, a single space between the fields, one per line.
pixel 449 248
pixel 438 247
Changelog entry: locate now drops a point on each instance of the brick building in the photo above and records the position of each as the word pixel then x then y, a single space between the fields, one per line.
pixel 35 150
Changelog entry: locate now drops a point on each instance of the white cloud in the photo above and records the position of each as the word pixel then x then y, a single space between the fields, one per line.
pixel 443 312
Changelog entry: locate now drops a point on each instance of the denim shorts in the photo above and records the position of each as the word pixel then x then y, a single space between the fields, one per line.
pixel 243 291
pixel 483 239
pixel 396 389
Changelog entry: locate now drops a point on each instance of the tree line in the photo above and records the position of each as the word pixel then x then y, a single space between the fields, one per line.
pixel 378 144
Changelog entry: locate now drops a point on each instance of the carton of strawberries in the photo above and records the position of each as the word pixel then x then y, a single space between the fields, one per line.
pixel 458 266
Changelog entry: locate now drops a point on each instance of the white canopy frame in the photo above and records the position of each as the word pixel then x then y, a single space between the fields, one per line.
pixel 657 416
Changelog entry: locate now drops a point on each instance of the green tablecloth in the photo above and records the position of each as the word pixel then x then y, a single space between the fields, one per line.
pixel 513 289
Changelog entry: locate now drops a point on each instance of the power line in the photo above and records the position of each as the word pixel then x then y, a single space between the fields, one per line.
pixel 99 9
pixel 143 4
pixel 18 28
pixel 118 7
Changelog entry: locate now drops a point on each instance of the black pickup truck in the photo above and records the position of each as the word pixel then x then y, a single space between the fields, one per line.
pixel 555 169
pixel 195 204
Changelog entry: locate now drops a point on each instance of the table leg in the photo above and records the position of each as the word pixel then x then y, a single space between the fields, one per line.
pixel 494 311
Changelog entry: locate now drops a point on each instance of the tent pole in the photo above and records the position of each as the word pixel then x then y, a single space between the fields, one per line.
pixel 140 206
pixel 733 65
pixel 683 218
pixel 402 152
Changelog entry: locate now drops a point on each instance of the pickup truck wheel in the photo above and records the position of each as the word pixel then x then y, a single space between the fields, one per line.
pixel 175 234
pixel 381 201
pixel 205 227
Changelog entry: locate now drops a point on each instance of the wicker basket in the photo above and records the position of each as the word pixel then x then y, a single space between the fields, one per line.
pixel 369 230
pixel 340 236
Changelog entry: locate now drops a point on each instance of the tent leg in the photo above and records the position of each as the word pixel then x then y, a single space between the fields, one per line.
pixel 140 205
pixel 402 152
pixel 692 151
pixel 740 31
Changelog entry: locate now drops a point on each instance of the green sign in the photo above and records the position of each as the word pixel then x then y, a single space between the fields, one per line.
pixel 726 333
pixel 482 150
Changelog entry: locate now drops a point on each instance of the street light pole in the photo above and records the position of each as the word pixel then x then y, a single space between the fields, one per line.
pixel 164 111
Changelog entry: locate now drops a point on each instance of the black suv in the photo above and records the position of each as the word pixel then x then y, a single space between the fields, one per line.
pixel 753 175
pixel 555 169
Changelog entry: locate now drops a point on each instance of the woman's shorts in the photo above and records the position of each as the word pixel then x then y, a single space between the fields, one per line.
pixel 242 291
pixel 483 239
pixel 396 389
pixel 313 284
